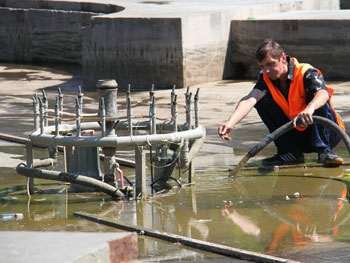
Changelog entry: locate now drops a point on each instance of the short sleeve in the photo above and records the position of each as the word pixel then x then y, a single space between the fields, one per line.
pixel 313 82
pixel 260 84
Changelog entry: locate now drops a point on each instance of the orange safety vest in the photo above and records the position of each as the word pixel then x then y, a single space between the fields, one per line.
pixel 297 94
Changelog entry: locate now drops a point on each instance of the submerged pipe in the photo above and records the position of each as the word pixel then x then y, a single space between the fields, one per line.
pixel 284 129
pixel 22 169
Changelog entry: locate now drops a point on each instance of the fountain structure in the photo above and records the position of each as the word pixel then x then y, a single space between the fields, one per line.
pixel 86 138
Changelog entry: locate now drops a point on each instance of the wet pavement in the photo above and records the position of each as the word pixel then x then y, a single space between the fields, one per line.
pixel 18 84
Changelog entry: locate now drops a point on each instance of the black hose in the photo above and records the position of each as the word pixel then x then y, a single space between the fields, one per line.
pixel 22 169
pixel 284 129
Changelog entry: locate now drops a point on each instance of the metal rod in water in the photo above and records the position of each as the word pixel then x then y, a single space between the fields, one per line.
pixel 188 241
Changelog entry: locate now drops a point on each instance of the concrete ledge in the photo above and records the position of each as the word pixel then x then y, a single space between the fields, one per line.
pixel 28 247
pixel 320 38
pixel 68 5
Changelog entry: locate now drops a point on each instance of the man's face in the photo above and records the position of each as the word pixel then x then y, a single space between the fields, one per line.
pixel 274 68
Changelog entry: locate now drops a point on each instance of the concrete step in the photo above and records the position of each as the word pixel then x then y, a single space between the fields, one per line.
pixel 74 247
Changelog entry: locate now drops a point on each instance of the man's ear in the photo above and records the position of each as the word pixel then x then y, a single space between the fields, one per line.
pixel 284 57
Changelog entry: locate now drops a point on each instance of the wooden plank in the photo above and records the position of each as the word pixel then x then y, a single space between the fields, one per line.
pixel 187 241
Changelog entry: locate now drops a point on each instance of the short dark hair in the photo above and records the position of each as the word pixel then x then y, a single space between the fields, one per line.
pixel 271 47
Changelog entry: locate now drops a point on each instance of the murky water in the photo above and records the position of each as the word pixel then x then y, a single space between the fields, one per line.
pixel 276 212
pixel 279 212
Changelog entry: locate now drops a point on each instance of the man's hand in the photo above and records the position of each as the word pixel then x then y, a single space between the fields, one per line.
pixel 303 120
pixel 224 131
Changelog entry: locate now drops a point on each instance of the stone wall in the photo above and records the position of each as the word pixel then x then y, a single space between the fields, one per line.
pixel 322 42
pixel 41 36
pixel 344 4
pixel 135 51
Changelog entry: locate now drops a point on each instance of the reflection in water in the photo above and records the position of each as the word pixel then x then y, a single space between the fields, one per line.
pixel 243 222
pixel 271 213
pixel 314 213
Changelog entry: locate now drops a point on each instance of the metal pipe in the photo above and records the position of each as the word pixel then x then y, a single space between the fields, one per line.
pixel 188 96
pixel 36 111
pixel 188 241
pixel 117 141
pixel 152 110
pixel 29 159
pixel 44 162
pixel 103 116
pixel 42 124
pixel 153 116
pixel 57 117
pixel 60 98
pixel 121 173
pixel 108 90
pixel 195 148
pixel 78 117
pixel 123 124
pixel 46 106
pixel 175 114
pixel 80 99
pixel 129 112
pixel 172 97
pixel 196 101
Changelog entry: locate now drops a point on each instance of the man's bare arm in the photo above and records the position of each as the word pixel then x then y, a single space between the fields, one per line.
pixel 244 106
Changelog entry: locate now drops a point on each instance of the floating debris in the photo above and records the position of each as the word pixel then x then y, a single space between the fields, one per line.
pixel 11 216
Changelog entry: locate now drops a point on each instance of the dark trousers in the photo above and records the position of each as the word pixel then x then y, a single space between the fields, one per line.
pixel 314 139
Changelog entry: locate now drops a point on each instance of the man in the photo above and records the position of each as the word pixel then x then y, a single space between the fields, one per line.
pixel 288 90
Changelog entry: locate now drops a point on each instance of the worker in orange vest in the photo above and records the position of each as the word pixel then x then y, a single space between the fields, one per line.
pixel 288 90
